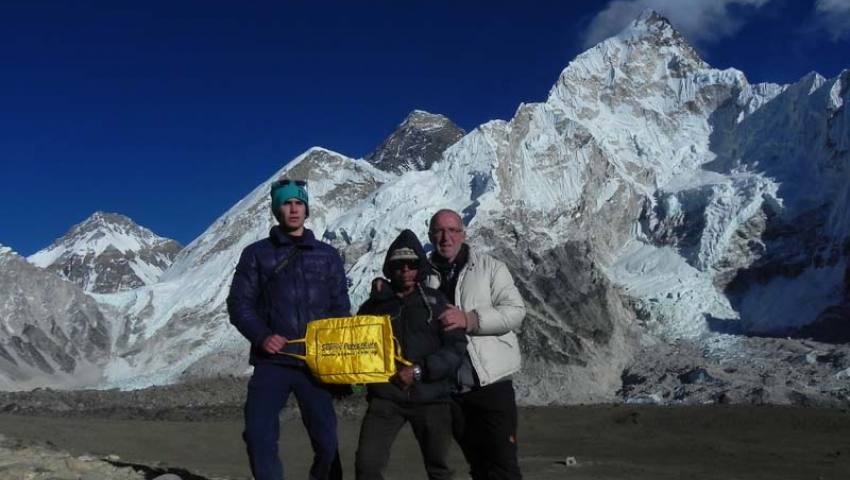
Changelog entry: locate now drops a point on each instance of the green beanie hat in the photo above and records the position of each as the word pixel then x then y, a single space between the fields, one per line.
pixel 283 190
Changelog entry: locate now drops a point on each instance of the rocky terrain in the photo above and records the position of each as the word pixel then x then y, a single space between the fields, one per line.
pixel 416 144
pixel 51 437
pixel 52 332
pixel 195 400
pixel 41 460
pixel 778 371
pixel 679 235
pixel 34 462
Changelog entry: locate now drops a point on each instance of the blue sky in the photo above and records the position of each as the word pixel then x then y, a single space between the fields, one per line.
pixel 170 112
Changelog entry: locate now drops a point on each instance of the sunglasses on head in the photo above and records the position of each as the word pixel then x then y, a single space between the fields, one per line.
pixel 286 181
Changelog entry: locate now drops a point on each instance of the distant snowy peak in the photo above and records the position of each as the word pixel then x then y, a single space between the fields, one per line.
pixel 4 250
pixel 102 231
pixel 416 144
pixel 649 53
pixel 653 28
pixel 108 252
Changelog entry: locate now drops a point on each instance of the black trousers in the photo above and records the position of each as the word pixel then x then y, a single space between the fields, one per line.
pixel 484 424
pixel 432 427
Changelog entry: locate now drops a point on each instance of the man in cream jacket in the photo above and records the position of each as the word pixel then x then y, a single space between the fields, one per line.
pixel 486 304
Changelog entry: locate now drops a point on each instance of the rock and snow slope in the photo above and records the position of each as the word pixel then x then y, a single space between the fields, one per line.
pixel 416 144
pixel 650 201
pixel 108 253
pixel 51 333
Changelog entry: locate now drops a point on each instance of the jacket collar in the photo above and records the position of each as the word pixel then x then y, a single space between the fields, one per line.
pixel 472 257
pixel 279 238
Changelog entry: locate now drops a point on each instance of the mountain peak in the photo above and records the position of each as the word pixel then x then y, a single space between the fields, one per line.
pixel 651 18
pixel 319 150
pixel 425 120
pixel 416 143
pixel 650 26
pixel 100 215
pixel 647 53
pixel 108 252
pixel 102 229
pixel 101 219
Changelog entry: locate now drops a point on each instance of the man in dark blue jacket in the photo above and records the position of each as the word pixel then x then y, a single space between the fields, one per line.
pixel 282 283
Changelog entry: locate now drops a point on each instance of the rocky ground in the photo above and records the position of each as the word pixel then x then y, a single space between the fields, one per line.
pixel 34 460
pixel 192 432
pixel 197 400
pixel 762 370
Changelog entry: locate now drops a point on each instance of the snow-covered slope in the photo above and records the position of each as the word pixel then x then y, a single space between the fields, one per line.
pixel 652 175
pixel 107 253
pixel 650 202
pixel 179 325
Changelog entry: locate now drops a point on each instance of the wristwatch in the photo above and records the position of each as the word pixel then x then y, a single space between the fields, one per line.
pixel 417 372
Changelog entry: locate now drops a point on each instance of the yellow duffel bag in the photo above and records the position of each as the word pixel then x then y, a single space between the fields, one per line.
pixel 358 349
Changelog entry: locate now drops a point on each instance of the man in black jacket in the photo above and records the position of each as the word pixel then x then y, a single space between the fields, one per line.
pixel 418 394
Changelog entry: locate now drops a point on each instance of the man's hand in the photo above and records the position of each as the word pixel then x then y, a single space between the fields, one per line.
pixel 403 378
pixel 453 318
pixel 379 286
pixel 273 343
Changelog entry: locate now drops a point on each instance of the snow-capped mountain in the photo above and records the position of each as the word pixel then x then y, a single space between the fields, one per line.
pixel 660 217
pixel 52 333
pixel 180 323
pixel 108 253
pixel 416 143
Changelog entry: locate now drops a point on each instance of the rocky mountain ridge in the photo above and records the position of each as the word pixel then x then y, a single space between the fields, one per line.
pixel 108 253
pixel 416 143
pixel 52 333
pixel 660 217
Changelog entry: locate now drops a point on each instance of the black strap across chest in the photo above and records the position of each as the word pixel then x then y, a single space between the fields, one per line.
pixel 285 261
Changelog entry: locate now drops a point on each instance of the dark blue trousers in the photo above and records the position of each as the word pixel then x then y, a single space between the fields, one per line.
pixel 268 392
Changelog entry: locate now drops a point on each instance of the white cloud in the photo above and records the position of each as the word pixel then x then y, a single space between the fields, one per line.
pixel 700 21
pixel 834 17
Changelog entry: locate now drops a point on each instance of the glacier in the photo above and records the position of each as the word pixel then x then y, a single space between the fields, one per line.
pixel 656 213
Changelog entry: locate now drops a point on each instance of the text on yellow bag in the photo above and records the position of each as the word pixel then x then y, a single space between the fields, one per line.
pixel 358 349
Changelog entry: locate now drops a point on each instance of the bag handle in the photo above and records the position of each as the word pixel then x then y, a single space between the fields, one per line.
pixel 299 357
pixel 398 357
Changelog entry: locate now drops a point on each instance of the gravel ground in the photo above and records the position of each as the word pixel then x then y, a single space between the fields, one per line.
pixel 193 431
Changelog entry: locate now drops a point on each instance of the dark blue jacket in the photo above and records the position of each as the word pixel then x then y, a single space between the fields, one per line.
pixel 311 286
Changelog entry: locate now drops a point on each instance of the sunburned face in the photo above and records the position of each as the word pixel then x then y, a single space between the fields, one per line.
pixel 447 235
pixel 293 213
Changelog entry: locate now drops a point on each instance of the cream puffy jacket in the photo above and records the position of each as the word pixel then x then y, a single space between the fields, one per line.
pixel 485 285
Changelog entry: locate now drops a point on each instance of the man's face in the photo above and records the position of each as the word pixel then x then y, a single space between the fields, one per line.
pixel 447 235
pixel 293 213
pixel 404 274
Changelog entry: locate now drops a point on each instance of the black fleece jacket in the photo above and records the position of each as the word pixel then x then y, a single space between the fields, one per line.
pixel 423 342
